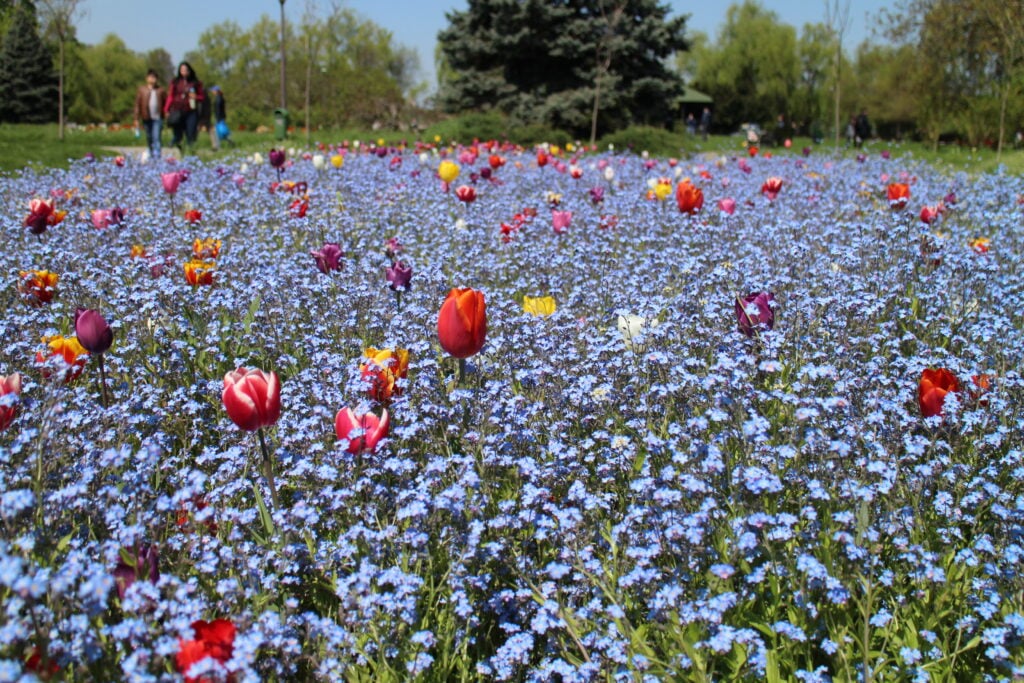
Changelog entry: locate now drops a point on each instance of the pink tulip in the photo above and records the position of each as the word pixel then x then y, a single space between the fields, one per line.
pixel 727 205
pixel 171 181
pixel 9 386
pixel 560 221
pixel 363 432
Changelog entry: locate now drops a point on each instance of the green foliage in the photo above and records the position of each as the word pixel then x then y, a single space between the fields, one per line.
pixel 101 81
pixel 490 125
pixel 657 141
pixel 28 90
pixel 555 63
pixel 753 70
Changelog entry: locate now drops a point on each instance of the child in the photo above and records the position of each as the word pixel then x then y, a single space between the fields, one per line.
pixel 220 116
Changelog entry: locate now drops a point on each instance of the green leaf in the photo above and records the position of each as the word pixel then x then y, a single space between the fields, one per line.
pixel 268 521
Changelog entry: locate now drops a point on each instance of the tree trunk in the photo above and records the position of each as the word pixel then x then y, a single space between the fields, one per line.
pixel 60 94
pixel 1002 118
pixel 284 98
pixel 309 79
pixel 593 114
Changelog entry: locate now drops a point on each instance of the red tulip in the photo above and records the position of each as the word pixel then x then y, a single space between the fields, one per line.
pixel 771 188
pixel 252 398
pixel 466 193
pixel 213 639
pixel 689 197
pixel 932 390
pixel 930 214
pixel 10 386
pixel 462 322
pixel 899 195
pixel 542 158
pixel 193 216
pixel 363 432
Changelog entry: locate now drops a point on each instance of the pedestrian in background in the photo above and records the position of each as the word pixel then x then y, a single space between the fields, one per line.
pixel 149 102
pixel 220 116
pixel 184 101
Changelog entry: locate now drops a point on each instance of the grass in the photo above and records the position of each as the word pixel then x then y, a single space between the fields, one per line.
pixel 28 145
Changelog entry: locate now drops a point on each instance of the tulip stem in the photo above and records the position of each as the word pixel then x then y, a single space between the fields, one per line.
pixel 104 401
pixel 398 298
pixel 268 468
pixel 462 372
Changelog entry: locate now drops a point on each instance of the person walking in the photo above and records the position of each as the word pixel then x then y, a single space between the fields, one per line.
pixel 863 125
pixel 185 98
pixel 220 116
pixel 149 100
pixel 705 122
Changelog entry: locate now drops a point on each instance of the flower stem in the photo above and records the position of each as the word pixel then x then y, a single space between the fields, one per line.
pixel 268 468
pixel 104 401
pixel 462 372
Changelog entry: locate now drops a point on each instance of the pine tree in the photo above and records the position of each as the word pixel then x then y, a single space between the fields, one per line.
pixel 28 90
pixel 564 63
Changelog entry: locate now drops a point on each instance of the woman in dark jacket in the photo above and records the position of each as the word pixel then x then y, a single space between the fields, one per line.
pixel 184 102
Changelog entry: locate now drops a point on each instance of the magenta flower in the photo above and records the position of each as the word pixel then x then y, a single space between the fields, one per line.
pixel 146 567
pixel 755 312
pixel 399 275
pixel 328 258
pixel 276 157
pixel 92 330
pixel 597 194
pixel 727 205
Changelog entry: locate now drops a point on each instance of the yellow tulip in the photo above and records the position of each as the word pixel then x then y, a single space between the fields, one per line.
pixel 448 170
pixel 337 161
pixel 540 305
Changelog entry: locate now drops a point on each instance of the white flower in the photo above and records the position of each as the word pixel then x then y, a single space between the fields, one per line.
pixel 461 224
pixel 257 158
pixel 632 328
pixel 609 173
pixel 319 162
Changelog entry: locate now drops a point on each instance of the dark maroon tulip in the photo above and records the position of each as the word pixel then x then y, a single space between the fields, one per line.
pixel 755 312
pixel 93 332
pixel 399 275
pixel 147 568
pixel 597 194
pixel 276 157
pixel 36 223
pixel 328 258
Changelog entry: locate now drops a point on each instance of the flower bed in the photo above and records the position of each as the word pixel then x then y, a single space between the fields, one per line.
pixel 762 424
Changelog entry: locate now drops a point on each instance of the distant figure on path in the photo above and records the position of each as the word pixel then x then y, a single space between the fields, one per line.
pixel 851 132
pixel 705 122
pixel 184 101
pixel 691 124
pixel 149 102
pixel 220 116
pixel 863 127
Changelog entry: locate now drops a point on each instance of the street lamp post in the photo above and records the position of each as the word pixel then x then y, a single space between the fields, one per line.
pixel 283 98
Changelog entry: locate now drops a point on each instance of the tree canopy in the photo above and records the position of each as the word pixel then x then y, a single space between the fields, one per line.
pixel 563 63
pixel 28 89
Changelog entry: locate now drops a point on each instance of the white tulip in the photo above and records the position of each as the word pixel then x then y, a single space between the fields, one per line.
pixel 319 162
pixel 609 173
pixel 632 329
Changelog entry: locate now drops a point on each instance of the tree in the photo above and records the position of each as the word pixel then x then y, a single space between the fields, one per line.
pixel 566 63
pixel 837 18
pixel 29 85
pixel 60 17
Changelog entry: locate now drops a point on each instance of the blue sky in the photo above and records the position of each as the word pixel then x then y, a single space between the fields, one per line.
pixel 176 24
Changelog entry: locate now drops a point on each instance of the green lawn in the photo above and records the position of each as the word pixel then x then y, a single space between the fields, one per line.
pixel 38 146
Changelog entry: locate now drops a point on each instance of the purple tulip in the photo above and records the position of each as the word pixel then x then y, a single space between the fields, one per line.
pixel 93 332
pixel 807 151
pixel 399 275
pixel 147 568
pixel 755 311
pixel 36 223
pixel 328 258
pixel 597 194
pixel 950 199
pixel 276 157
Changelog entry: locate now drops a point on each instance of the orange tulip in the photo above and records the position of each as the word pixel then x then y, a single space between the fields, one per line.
pixel 689 197
pixel 67 348
pixel 199 272
pixel 899 195
pixel 206 249
pixel 462 322
pixel 932 390
pixel 382 369
pixel 38 286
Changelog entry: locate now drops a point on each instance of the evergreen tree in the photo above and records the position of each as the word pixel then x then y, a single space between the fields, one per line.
pixel 564 63
pixel 28 90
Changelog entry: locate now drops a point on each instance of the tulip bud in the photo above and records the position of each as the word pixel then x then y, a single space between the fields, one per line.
pixel 276 157
pixel 363 432
pixel 462 322
pixel 93 332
